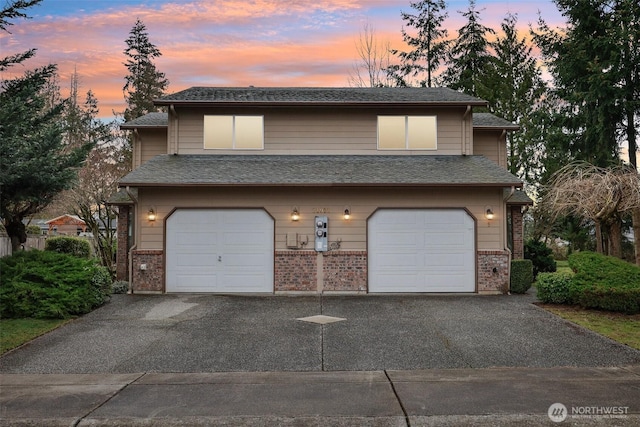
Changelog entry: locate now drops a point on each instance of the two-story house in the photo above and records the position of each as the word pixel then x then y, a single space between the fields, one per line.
pixel 270 190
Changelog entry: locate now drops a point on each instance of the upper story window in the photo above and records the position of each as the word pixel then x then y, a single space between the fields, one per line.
pixel 407 133
pixel 234 132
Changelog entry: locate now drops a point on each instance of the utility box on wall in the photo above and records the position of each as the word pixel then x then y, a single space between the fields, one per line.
pixel 321 227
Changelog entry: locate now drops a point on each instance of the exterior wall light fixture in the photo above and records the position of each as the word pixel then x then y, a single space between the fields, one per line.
pixel 347 213
pixel 489 214
pixel 151 215
pixel 295 215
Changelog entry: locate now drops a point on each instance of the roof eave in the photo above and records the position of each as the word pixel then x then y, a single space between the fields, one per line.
pixel 320 184
pixel 192 103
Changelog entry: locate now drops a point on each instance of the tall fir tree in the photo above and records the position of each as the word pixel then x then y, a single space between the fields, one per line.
pixel 35 168
pixel 515 91
pixel 144 83
pixel 595 67
pixel 428 45
pixel 468 60
pixel 579 61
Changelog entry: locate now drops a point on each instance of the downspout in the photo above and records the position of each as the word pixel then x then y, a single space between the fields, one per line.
pixel 174 139
pixel 503 137
pixel 137 159
pixel 465 148
pixel 135 244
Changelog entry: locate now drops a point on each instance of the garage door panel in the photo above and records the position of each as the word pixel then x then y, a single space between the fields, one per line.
pixel 444 238
pixel 219 250
pixel 444 261
pixel 397 261
pixel 196 238
pixel 195 260
pixel 421 250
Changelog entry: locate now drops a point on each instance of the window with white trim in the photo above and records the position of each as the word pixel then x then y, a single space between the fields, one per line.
pixel 407 133
pixel 234 132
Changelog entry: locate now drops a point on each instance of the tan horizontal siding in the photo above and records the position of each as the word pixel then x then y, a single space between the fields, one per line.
pixel 316 132
pixel 489 144
pixel 362 203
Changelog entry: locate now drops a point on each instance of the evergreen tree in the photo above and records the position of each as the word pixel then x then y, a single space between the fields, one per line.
pixel 515 90
pixel 595 65
pixel 429 44
pixel 580 61
pixel 469 60
pixel 34 166
pixel 144 83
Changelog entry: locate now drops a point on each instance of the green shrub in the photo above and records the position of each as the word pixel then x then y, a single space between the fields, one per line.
pixel 120 287
pixel 45 284
pixel 33 229
pixel 521 275
pixel 541 257
pixel 554 288
pixel 69 245
pixel 605 282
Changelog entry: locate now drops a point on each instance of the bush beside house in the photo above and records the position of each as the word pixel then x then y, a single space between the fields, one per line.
pixel 48 284
pixel 600 282
pixel 521 275
pixel 541 256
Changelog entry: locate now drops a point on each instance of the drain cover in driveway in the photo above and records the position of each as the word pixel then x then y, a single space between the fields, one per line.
pixel 321 319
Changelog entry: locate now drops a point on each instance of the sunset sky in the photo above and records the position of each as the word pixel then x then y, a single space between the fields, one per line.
pixel 225 42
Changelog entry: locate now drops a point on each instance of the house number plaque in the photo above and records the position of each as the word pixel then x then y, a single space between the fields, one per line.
pixel 321 210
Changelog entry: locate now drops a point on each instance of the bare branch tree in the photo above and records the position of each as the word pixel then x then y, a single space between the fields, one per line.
pixel 370 70
pixel 601 195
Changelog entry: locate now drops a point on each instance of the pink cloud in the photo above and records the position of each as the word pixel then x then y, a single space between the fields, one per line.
pixel 227 42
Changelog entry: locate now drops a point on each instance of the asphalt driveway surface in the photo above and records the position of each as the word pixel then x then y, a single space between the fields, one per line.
pixel 210 333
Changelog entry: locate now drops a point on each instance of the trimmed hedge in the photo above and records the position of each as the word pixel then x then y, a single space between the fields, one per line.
pixel 45 284
pixel 554 288
pixel 69 245
pixel 605 282
pixel 521 275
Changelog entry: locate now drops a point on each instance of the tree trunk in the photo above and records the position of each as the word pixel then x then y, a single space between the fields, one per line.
pixel 636 233
pixel 615 238
pixel 599 247
pixel 17 232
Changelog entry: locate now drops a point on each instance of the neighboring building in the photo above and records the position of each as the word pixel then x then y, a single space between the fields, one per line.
pixel 66 225
pixel 319 190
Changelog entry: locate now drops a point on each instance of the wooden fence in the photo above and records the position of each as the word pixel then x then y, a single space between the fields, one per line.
pixel 35 242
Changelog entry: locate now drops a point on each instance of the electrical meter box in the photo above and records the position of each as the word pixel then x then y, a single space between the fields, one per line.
pixel 321 227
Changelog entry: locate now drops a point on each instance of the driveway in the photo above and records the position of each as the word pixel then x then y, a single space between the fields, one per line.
pixel 208 333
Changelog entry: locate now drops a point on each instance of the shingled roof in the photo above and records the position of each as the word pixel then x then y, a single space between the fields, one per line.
pixel 320 170
pixel 149 120
pixel 490 121
pixel 319 96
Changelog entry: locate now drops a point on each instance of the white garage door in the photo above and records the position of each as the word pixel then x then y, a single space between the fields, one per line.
pixel 421 250
pixel 219 250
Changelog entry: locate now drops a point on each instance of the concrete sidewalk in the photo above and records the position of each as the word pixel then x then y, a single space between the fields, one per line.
pixel 492 396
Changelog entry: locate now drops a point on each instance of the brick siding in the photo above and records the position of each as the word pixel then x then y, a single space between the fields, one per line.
pixel 151 279
pixel 345 271
pixel 295 271
pixel 493 271
pixel 517 228
pixel 122 253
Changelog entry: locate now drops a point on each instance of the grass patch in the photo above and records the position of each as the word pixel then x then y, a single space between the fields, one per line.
pixel 624 328
pixel 15 332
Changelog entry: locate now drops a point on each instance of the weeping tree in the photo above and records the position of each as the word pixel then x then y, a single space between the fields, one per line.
pixel 600 195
